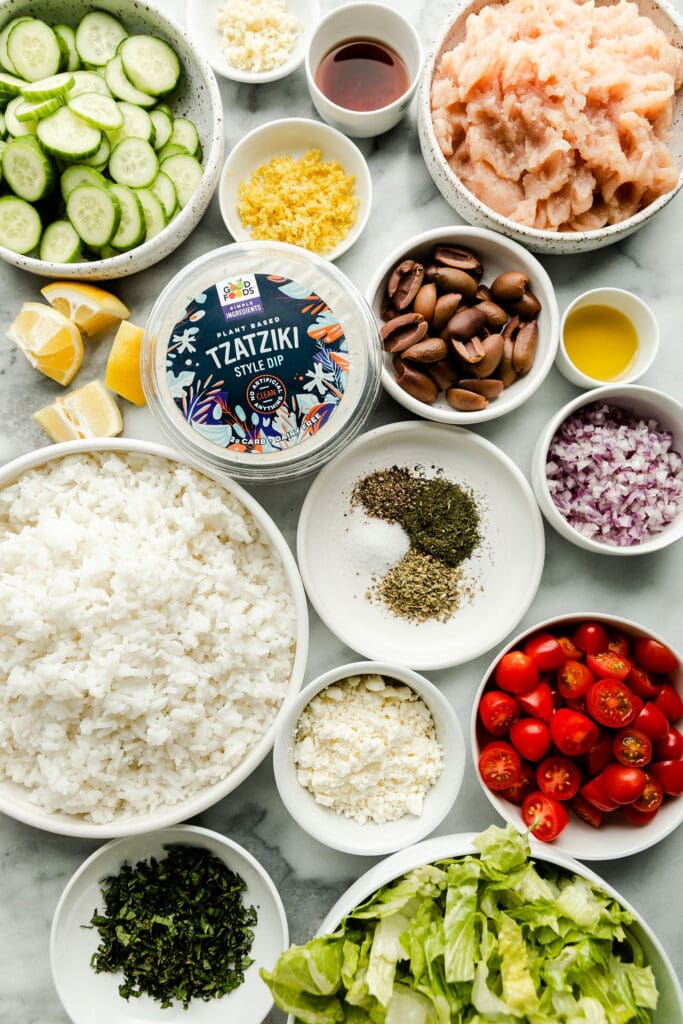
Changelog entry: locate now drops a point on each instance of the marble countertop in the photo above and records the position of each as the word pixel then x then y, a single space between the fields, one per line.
pixel 35 866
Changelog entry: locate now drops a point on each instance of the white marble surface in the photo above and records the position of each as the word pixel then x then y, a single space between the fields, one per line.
pixel 35 866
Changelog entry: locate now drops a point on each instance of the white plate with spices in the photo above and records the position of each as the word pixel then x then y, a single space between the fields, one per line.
pixel 345 555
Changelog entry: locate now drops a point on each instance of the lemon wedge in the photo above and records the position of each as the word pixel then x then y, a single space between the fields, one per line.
pixel 50 341
pixel 123 365
pixel 89 411
pixel 92 309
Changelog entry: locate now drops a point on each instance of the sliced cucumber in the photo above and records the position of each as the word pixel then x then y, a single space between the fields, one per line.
pixel 20 225
pixel 63 134
pixel 14 126
pixel 185 134
pixel 47 88
pixel 186 173
pixel 172 149
pixel 96 110
pixel 122 87
pixel 97 37
pixel 4 36
pixel 80 174
pixel 150 64
pixel 137 124
pixel 133 162
pixel 26 111
pixel 88 81
pixel 163 126
pixel 95 214
pixel 10 85
pixel 131 231
pixel 164 189
pixel 60 243
pixel 100 159
pixel 66 37
pixel 3 127
pixel 155 216
pixel 33 50
pixel 26 169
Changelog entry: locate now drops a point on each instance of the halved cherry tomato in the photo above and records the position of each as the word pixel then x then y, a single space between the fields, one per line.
pixel 591 815
pixel 545 650
pixel 671 747
pixel 669 775
pixel 637 817
pixel 545 817
pixel 622 784
pixel 669 701
pixel 594 792
pixel 570 649
pixel 618 644
pixel 538 702
pixel 651 797
pixel 606 665
pixel 591 638
pixel 610 703
pixel 559 777
pixel 599 755
pixel 574 680
pixel 499 765
pixel 652 722
pixel 516 673
pixel 653 656
pixel 572 732
pixel 632 748
pixel 531 738
pixel 498 711
pixel 641 683
pixel 527 784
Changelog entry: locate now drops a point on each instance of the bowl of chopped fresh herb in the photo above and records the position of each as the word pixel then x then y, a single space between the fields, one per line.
pixel 183 920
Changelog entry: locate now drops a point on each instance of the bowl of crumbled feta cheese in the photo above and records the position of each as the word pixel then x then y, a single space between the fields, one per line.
pixel 369 758
pixel 261 41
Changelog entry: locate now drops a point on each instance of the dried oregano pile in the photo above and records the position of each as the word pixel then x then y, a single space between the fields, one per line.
pixel 443 524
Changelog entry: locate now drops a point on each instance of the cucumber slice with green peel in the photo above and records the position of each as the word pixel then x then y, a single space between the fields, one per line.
pixel 98 36
pixel 4 36
pixel 66 37
pixel 20 225
pixel 61 243
pixel 150 64
pixel 10 85
pixel 88 81
pixel 172 149
pixel 163 126
pixel 80 174
pixel 132 227
pixel 137 123
pixel 185 134
pixel 48 88
pixel 26 111
pixel 33 50
pixel 108 252
pixel 100 159
pixel 165 190
pixel 164 107
pixel 186 173
pixel 64 134
pixel 155 215
pixel 13 125
pixel 96 110
pixel 28 172
pixel 3 129
pixel 95 214
pixel 122 87
pixel 133 162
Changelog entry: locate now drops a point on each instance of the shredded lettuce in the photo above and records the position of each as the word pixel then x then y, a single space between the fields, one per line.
pixel 483 939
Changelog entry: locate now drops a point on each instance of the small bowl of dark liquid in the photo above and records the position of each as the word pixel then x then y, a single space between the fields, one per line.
pixel 362 82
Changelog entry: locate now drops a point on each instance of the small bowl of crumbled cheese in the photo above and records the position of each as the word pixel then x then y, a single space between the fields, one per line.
pixel 370 758
pixel 259 41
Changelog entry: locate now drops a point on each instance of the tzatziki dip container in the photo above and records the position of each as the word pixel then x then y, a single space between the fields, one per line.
pixel 261 360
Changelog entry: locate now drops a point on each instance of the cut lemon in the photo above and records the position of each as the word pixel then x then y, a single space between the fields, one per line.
pixel 123 365
pixel 91 309
pixel 89 411
pixel 49 341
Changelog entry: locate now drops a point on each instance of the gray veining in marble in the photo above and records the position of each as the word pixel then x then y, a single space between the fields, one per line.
pixel 35 866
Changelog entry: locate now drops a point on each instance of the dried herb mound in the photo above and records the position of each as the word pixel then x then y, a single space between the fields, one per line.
pixel 388 493
pixel 444 522
pixel 177 928
pixel 420 587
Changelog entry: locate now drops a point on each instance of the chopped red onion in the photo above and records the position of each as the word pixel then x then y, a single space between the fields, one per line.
pixel 614 476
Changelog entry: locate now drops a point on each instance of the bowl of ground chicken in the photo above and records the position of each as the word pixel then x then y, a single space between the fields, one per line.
pixel 556 122
pixel 153 628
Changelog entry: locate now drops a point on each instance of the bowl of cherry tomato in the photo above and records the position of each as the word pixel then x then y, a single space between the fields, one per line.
pixel 577 735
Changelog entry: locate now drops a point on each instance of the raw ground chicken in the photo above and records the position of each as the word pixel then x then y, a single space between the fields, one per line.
pixel 556 113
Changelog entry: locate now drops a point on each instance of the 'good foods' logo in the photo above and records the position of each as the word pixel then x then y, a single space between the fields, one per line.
pixel 239 297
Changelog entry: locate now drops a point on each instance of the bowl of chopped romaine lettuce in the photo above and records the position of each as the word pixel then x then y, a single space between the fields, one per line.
pixel 479 929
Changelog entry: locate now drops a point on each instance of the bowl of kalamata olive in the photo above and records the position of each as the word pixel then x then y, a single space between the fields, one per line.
pixel 469 324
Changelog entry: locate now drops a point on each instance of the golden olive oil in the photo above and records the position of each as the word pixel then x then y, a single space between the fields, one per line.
pixel 600 341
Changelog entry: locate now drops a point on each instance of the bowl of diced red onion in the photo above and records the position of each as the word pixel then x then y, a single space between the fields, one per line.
pixel 607 471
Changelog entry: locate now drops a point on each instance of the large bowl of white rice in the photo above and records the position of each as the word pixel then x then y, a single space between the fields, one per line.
pixel 153 628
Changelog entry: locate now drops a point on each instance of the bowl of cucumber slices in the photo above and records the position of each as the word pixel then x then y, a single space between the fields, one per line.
pixel 111 136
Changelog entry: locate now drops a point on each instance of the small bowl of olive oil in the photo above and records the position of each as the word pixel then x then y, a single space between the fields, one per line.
pixel 607 335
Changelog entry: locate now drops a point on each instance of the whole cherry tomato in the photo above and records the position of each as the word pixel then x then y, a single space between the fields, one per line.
pixel 651 798
pixel 611 703
pixel 538 702
pixel 558 777
pixel 516 673
pixel 499 765
pixel 544 816
pixel 591 638
pixel 606 665
pixel 622 784
pixel 632 748
pixel 527 784
pixel 669 701
pixel 652 722
pixel 591 815
pixel 653 656
pixel 642 683
pixel 572 732
pixel 574 680
pixel 671 747
pixel 531 738
pixel 669 775
pixel 498 711
pixel 546 651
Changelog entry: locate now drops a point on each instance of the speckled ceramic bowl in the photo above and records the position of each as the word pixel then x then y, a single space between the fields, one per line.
pixel 196 97
pixel 666 17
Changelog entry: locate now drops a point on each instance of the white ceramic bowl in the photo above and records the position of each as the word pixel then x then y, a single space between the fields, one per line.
pixel 642 318
pixel 72 944
pixel 371 839
pixel 341 551
pixel 293 136
pixel 14 798
pixel 372 21
pixel 196 97
pixel 645 402
pixel 670 1008
pixel 498 254
pixel 666 17
pixel 201 16
pixel 617 837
